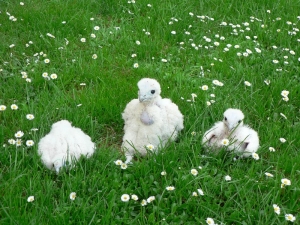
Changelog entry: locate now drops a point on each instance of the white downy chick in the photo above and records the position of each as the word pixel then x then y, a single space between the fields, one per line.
pixel 243 139
pixel 149 120
pixel 63 144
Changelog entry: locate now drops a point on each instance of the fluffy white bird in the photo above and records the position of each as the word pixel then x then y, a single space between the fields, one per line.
pixel 149 120
pixel 64 144
pixel 243 139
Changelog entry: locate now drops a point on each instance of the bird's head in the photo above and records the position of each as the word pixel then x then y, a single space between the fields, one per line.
pixel 233 118
pixel 149 90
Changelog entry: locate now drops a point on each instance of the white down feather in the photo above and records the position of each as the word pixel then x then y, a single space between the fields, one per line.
pixel 149 120
pixel 62 144
pixel 243 139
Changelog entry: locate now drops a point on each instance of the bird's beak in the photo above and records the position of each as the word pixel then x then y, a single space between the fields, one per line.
pixel 143 98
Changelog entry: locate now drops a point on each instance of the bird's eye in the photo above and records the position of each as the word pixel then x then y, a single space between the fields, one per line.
pixel 239 121
pixel 152 91
pixel 225 118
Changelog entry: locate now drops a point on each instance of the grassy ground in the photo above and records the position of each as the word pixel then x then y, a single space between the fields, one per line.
pixel 201 41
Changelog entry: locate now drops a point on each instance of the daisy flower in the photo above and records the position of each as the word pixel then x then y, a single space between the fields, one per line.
pixel 217 83
pixel 47 61
pixel 53 76
pixel 247 83
pixel 204 87
pixel 269 174
pixel 94 56
pixel 45 75
pixel 216 43
pixel 29 116
pixel 96 27
pixel 194 194
pixel 286 99
pixel 267 82
pixel 200 192
pixel 290 217
pixel 125 198
pixel 285 182
pixel 144 202
pixel 14 107
pixel 118 162
pixel 18 142
pixel 2 107
pixel 227 178
pixel 134 197
pixel 276 209
pixel 194 172
pixel 123 166
pixel 257 50
pixel 150 199
pixel 163 173
pixel 19 134
pixel 193 97
pixel 170 188
pixel 73 196
pixel 271 149
pixel 83 40
pixel 30 199
pixel 150 147
pixel 29 143
pixel 135 65
pixel 284 116
pixel 12 141
pixel 164 60
pixel 23 73
pixel 210 221
pixel 50 35
pixel 193 133
pixel 225 142
pixel 255 156
pixel 285 93
pixel 138 42
pixel 282 140
pixel 93 36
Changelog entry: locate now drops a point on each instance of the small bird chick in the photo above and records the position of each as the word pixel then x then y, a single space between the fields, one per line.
pixel 149 120
pixel 62 144
pixel 243 139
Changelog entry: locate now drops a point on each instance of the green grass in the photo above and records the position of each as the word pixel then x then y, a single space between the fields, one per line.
pixel 111 83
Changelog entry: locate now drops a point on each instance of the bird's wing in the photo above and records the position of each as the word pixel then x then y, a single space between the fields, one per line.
pixel 131 110
pixel 217 131
pixel 173 115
